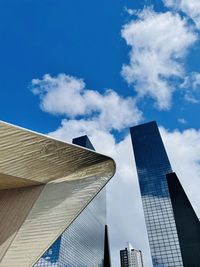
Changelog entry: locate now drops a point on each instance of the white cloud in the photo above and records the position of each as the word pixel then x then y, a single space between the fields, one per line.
pixel 103 140
pixel 193 80
pixel 191 86
pixel 182 120
pixel 131 11
pixel 159 42
pixel 190 7
pixel 190 98
pixel 61 94
pixel 67 95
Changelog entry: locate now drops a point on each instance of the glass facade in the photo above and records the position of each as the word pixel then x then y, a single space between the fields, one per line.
pixel 152 166
pixel 82 243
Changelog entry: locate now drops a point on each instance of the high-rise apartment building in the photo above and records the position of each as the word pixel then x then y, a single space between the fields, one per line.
pixel 152 166
pixel 131 257
pixel 52 201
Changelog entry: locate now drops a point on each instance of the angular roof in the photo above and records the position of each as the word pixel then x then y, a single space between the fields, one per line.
pixel 44 185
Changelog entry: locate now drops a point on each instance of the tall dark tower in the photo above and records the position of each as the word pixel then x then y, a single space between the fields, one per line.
pixel 187 222
pixel 107 260
pixel 152 166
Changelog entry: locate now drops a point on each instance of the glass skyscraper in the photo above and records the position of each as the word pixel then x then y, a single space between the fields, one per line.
pixel 152 166
pixel 82 243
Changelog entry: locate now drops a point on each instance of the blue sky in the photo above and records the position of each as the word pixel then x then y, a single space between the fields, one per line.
pixel 81 39
pixel 75 37
pixel 98 67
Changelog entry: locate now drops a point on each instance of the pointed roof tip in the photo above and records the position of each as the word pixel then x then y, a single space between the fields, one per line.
pixel 32 148
pixel 32 157
pixel 143 124
pixel 83 141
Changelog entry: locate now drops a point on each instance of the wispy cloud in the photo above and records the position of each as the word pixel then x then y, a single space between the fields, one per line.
pixel 159 43
pixel 182 120
pixel 131 11
pixel 191 87
pixel 190 7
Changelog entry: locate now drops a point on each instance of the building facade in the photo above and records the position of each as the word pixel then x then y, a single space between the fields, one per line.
pixel 131 257
pixel 187 222
pixel 82 243
pixel 52 201
pixel 152 165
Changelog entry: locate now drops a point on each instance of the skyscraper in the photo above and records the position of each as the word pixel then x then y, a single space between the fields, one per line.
pixel 152 166
pixel 131 257
pixel 45 185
